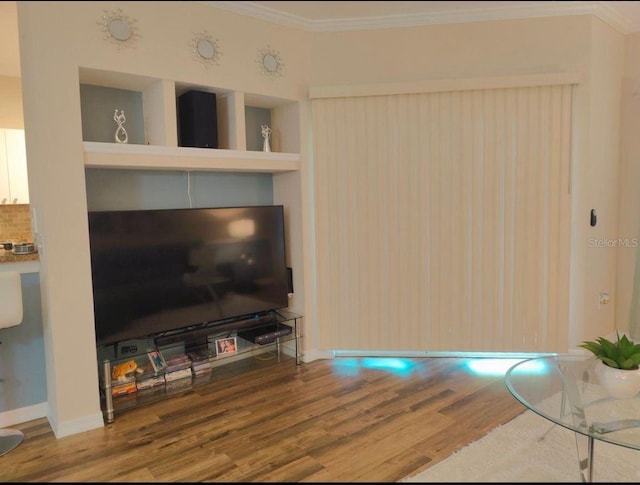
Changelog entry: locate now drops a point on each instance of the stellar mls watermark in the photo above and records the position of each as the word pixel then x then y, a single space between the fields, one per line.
pixel 621 242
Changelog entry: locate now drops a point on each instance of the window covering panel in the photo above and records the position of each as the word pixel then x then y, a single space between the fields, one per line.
pixel 442 220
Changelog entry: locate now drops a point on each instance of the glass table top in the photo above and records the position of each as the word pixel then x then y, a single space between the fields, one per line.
pixel 565 390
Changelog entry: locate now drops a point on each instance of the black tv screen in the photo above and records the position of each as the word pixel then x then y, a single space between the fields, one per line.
pixel 158 271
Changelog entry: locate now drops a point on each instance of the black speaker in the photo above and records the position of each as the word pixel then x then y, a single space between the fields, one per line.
pixel 198 120
pixel 289 280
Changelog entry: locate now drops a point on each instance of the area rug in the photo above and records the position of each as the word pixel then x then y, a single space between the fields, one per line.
pixel 531 449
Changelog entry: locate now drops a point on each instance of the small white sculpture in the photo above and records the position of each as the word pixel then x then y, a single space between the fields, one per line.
pixel 266 134
pixel 121 134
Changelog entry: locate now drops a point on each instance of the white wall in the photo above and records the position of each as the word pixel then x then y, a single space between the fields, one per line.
pixel 51 53
pixel 9 50
pixel 11 103
pixel 481 49
pixel 596 159
pixel 53 50
pixel 570 44
pixel 628 283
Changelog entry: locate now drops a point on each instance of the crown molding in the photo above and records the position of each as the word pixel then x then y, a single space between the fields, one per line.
pixel 252 9
pixel 612 16
pixel 603 10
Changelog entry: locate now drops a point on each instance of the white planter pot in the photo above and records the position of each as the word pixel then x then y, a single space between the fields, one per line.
pixel 619 384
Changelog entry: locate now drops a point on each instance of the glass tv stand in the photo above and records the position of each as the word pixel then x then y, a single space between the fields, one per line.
pixel 134 373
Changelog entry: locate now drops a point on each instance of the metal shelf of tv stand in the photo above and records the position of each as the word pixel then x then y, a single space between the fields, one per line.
pixel 111 403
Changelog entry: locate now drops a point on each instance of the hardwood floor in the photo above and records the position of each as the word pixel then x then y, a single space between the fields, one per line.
pixel 342 420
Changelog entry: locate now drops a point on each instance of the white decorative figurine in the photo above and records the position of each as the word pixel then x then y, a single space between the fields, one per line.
pixel 266 134
pixel 121 134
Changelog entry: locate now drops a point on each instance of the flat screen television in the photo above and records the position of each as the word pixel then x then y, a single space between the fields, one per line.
pixel 159 271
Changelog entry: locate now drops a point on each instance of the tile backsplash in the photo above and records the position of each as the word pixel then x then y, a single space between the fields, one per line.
pixel 15 223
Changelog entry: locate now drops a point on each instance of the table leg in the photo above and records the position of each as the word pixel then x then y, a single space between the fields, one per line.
pixel 584 446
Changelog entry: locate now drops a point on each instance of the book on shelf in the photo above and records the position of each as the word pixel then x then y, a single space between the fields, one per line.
pixel 201 367
pixel 201 371
pixel 200 360
pixel 178 366
pixel 178 374
pixel 123 389
pixel 198 356
pixel 177 361
pixel 150 382
pixel 151 392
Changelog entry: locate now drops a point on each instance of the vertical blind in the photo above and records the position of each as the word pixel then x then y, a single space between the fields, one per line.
pixel 442 220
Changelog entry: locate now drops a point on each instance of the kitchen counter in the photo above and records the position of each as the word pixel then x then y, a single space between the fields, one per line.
pixel 11 257
pixel 22 263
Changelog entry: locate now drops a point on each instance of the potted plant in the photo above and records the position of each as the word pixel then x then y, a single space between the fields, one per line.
pixel 618 369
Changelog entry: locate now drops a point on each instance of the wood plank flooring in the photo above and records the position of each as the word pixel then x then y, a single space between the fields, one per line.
pixel 340 420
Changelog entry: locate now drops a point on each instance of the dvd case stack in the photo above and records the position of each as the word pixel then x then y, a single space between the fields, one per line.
pixel 151 376
pixel 125 386
pixel 200 363
pixel 177 371
pixel 150 382
pixel 178 366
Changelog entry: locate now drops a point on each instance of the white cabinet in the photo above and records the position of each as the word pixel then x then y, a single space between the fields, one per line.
pixel 14 186
pixel 5 193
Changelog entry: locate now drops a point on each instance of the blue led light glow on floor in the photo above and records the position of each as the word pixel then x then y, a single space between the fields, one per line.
pixel 498 367
pixel 393 364
pixel 345 366
pixel 351 366
pixel 481 366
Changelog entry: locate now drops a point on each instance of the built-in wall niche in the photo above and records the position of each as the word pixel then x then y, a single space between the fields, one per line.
pixel 241 115
pixel 99 105
pixel 224 115
pixel 281 115
pixel 156 102
pixel 156 111
pixel 255 118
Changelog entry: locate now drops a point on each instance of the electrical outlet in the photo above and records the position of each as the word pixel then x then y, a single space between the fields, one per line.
pixel 604 299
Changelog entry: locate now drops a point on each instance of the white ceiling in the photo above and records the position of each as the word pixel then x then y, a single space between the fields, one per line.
pixel 339 15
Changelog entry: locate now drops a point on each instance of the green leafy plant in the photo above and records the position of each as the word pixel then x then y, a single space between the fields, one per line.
pixel 622 354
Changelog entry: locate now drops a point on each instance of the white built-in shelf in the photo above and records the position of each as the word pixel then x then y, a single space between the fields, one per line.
pixel 154 157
